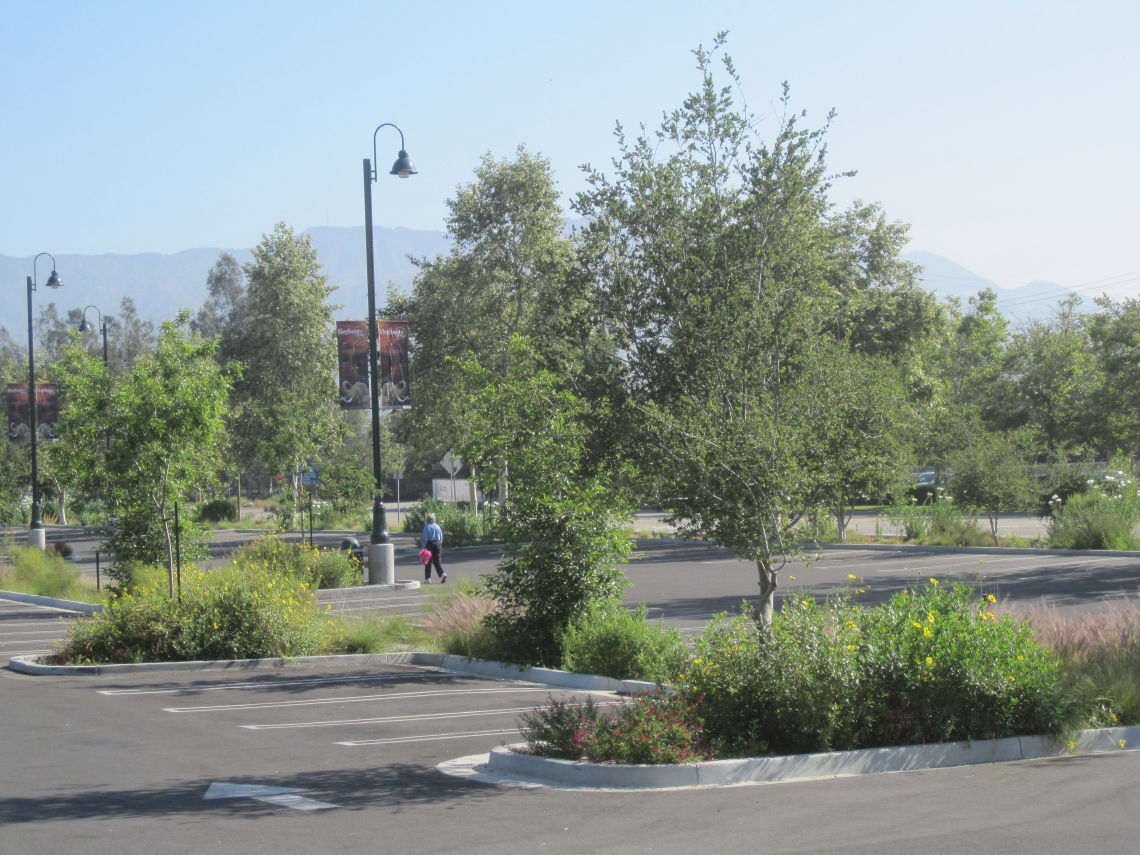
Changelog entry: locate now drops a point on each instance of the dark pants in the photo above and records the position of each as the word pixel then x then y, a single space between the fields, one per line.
pixel 434 547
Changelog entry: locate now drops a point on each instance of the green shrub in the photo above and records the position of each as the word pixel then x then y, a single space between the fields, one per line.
pixel 45 574
pixel 1096 520
pixel 87 511
pixel 241 613
pixel 911 517
pixel 615 642
pixel 936 665
pixel 951 525
pixel 460 527
pixel 928 666
pixel 218 510
pixel 939 522
pixel 818 527
pixel 233 613
pixel 320 568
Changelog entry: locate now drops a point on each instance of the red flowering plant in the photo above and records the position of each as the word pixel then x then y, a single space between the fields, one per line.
pixel 650 729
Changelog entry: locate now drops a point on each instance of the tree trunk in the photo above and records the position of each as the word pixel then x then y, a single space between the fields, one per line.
pixel 62 493
pixel 503 484
pixel 473 491
pixel 765 606
pixel 169 549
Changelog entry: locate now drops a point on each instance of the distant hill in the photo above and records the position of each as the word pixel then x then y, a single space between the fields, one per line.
pixel 161 284
pixel 1037 300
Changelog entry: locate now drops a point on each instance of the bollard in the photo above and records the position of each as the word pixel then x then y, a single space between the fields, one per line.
pixel 381 564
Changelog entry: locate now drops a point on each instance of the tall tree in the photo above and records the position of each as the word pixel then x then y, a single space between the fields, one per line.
pixel 283 408
pixel 129 337
pixel 1115 335
pixel 225 301
pixel 714 255
pixel 505 276
pixel 566 525
pixel 144 438
pixel 1053 374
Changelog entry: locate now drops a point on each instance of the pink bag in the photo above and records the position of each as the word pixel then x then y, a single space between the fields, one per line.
pixel 425 556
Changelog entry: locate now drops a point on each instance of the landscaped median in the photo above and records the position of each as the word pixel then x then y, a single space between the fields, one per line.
pixel 508 765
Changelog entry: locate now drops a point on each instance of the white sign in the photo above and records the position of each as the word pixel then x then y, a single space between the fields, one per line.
pixel 451 462
pixel 451 490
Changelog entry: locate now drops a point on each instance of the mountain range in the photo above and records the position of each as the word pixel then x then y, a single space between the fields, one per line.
pixel 161 284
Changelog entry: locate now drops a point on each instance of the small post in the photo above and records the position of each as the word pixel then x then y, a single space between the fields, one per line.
pixel 310 519
pixel 98 582
pixel 178 551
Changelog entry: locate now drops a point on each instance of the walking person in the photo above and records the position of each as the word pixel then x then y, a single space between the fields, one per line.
pixel 432 541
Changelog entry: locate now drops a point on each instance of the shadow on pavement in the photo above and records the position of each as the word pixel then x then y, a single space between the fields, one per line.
pixel 392 786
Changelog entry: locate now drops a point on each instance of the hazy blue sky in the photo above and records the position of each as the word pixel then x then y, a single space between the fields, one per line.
pixel 1005 133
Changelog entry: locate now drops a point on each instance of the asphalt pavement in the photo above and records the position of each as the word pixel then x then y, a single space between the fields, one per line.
pixel 307 758
pixel 304 759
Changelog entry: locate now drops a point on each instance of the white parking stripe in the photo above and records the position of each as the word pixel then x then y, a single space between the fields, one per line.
pixel 307 681
pixel 11 632
pixel 392 719
pixel 347 699
pixel 433 737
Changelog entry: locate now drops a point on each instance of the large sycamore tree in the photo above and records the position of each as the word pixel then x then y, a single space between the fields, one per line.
pixel 719 271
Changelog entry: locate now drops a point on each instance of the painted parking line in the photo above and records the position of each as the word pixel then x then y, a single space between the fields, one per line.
pixel 390 719
pixel 344 699
pixel 271 684
pixel 431 737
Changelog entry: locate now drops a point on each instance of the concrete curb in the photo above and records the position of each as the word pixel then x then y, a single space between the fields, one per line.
pixel 506 766
pixel 452 664
pixel 52 602
pixel 977 550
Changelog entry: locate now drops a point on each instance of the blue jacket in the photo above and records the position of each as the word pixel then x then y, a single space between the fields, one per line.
pixel 431 532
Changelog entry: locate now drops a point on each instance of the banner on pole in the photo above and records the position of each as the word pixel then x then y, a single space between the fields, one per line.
pixel 395 390
pixel 47 412
pixel 18 430
pixel 352 352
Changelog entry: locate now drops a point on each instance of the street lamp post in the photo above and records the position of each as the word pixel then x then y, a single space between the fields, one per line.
pixel 36 534
pixel 381 562
pixel 85 326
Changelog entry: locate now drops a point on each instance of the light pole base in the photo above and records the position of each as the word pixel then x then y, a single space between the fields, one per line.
pixel 37 537
pixel 381 564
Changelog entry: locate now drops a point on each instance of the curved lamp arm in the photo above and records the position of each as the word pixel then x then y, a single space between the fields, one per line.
pixel 403 166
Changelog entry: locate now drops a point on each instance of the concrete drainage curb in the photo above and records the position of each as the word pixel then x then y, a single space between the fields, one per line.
pixel 505 766
pixel 453 664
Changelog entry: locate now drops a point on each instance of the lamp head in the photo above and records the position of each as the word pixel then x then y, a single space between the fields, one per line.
pixel 85 326
pixel 403 166
pixel 54 281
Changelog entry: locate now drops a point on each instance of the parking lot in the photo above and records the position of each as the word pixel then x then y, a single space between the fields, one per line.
pixel 29 630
